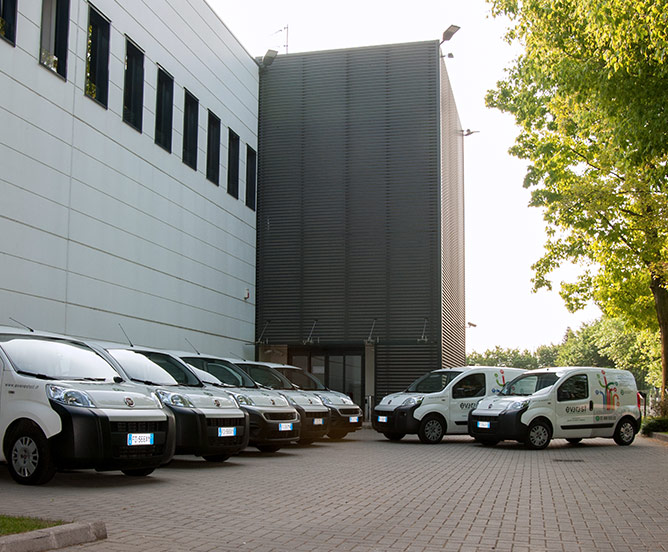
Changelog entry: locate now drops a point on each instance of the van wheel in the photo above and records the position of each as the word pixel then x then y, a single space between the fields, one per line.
pixel 574 440
pixel 29 455
pixel 216 457
pixel 138 472
pixel 539 435
pixel 625 432
pixel 336 435
pixel 268 448
pixel 431 430
pixel 394 436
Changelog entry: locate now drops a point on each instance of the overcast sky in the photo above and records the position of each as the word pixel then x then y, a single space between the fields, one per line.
pixel 504 237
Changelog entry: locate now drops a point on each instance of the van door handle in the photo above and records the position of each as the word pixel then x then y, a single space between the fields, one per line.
pixel 591 405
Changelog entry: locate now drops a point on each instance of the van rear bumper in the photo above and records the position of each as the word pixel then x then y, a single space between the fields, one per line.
pixel 91 439
pixel 397 420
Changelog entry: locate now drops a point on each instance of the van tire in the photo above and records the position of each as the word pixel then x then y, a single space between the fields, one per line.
pixel 268 448
pixel 28 455
pixel 431 430
pixel 394 436
pixel 337 435
pixel 538 435
pixel 138 472
pixel 216 457
pixel 625 432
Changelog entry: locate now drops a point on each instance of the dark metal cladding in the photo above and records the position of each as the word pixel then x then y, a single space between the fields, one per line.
pixel 360 206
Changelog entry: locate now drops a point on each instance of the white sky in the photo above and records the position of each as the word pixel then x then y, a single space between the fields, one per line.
pixel 504 237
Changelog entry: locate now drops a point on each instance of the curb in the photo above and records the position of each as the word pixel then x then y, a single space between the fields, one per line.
pixel 54 537
pixel 659 436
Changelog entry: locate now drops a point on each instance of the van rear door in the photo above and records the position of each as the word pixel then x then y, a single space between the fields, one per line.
pixel 574 408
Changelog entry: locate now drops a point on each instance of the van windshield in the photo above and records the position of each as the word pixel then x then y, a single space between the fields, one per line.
pixel 433 382
pixel 302 379
pixel 139 368
pixel 528 384
pixel 56 359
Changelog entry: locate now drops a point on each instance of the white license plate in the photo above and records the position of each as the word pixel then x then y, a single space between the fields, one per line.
pixel 318 421
pixel 227 431
pixel 382 419
pixel 354 419
pixel 284 427
pixel 140 439
pixel 484 425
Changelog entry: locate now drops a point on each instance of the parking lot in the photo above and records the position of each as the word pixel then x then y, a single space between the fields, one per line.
pixel 368 494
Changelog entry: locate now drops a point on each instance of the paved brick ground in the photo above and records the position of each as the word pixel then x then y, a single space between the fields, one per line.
pixel 366 494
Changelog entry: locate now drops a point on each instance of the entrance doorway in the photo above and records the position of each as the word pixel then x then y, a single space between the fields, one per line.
pixel 340 371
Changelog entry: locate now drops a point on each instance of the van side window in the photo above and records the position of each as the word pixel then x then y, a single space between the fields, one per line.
pixel 574 388
pixel 470 386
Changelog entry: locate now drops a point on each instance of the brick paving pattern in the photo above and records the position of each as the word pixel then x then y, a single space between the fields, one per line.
pixel 366 494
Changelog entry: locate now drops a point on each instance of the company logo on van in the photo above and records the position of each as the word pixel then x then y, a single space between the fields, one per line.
pixel 129 401
pixel 609 394
pixel 500 382
pixel 216 402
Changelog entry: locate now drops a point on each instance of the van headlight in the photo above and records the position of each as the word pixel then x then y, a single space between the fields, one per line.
pixel 518 405
pixel 173 399
pixel 68 396
pixel 325 400
pixel 412 401
pixel 244 400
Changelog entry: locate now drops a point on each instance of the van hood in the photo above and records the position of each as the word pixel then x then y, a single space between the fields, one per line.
pixel 119 396
pixel 206 398
pixel 334 398
pixel 259 397
pixel 496 405
pixel 397 399
pixel 302 398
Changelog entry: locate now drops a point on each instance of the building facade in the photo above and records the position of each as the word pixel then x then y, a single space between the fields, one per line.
pixel 361 217
pixel 128 140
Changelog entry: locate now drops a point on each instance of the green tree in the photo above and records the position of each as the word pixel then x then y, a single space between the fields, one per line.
pixel 589 93
pixel 580 348
pixel 503 357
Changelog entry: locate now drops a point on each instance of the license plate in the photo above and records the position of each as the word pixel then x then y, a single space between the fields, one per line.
pixel 484 425
pixel 318 421
pixel 227 431
pixel 284 427
pixel 354 419
pixel 140 439
pixel 382 419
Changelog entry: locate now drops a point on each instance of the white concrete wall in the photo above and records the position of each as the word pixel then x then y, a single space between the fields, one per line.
pixel 98 224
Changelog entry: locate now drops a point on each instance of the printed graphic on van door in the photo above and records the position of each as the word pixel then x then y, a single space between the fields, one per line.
pixel 500 380
pixel 609 393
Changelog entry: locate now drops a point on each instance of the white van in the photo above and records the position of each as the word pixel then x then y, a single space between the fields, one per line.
pixel 439 402
pixel 63 405
pixel 571 403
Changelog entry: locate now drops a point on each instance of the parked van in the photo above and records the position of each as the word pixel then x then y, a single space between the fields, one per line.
pixel 273 422
pixel 561 403
pixel 313 413
pixel 439 402
pixel 345 415
pixel 209 422
pixel 63 405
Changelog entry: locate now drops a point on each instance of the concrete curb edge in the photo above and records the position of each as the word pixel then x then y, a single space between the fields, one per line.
pixel 659 436
pixel 53 538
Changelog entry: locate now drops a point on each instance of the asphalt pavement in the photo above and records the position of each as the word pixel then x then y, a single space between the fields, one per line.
pixel 366 494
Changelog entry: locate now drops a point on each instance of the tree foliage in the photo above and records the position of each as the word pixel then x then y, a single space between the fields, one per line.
pixel 590 94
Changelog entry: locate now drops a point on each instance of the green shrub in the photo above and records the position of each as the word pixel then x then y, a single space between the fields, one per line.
pixel 655 425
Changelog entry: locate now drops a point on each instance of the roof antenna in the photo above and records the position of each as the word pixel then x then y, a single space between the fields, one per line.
pixel 194 348
pixel 126 335
pixel 22 324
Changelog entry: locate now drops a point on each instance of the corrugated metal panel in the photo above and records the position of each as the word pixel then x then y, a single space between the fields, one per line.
pixel 349 202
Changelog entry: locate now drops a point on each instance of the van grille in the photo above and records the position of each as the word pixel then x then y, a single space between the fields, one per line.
pixel 280 416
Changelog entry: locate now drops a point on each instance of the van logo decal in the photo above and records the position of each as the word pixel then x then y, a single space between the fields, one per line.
pixel 609 394
pixel 216 402
pixel 273 402
pixel 129 401
pixel 500 382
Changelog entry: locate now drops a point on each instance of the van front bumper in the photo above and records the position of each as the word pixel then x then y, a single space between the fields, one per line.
pixel 315 422
pixel 269 426
pixel 345 417
pixel 209 433
pixel 395 420
pixel 93 438
pixel 505 426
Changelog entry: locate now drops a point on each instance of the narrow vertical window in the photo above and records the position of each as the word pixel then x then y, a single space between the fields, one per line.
pixel 251 177
pixel 213 149
pixel 233 164
pixel 97 57
pixel 190 122
pixel 133 92
pixel 8 20
pixel 55 29
pixel 164 106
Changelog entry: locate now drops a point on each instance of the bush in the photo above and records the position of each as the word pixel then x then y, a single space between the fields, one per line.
pixel 655 425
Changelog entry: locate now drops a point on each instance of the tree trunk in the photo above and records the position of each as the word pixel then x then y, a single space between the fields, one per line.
pixel 661 302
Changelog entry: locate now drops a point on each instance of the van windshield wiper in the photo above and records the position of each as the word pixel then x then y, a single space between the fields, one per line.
pixel 148 382
pixel 38 376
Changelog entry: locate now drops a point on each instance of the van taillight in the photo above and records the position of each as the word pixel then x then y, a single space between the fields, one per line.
pixel 639 401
